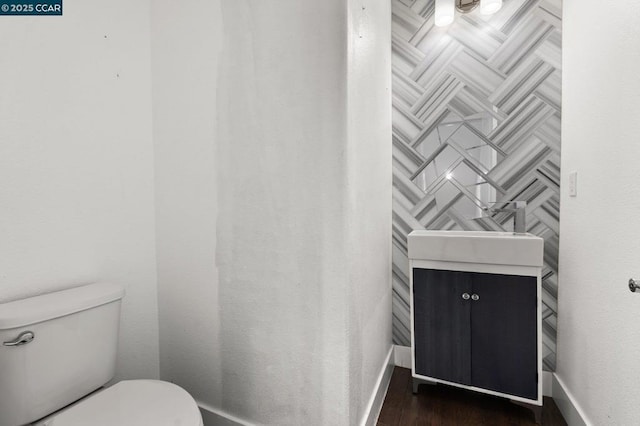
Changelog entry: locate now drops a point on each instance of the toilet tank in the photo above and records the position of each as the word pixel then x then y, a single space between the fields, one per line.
pixel 73 351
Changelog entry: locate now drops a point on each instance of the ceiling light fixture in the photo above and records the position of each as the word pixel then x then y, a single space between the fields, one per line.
pixel 445 9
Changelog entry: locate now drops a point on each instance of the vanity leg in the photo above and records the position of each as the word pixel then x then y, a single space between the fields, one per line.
pixel 537 410
pixel 538 413
pixel 418 382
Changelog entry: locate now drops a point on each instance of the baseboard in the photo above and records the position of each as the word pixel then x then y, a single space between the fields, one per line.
pixel 571 411
pixel 214 417
pixel 547 383
pixel 402 358
pixel 372 411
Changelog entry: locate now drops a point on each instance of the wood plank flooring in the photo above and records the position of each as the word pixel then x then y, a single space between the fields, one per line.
pixel 448 406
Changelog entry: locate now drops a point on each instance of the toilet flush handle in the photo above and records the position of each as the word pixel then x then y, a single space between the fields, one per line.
pixel 22 339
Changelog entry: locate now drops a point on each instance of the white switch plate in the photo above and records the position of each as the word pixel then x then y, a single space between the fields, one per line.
pixel 573 184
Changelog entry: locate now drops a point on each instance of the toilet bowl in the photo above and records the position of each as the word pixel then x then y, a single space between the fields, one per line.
pixel 131 403
pixel 58 350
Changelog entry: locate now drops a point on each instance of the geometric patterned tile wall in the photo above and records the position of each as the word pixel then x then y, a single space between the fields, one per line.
pixel 476 120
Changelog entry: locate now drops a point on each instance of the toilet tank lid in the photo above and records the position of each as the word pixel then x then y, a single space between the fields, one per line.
pixel 48 306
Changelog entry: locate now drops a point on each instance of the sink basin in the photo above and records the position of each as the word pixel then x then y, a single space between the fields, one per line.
pixel 498 248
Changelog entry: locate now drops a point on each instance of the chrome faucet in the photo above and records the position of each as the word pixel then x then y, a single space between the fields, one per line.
pixel 520 216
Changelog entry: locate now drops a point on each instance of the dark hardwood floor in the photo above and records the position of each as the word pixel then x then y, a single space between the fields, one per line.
pixel 448 406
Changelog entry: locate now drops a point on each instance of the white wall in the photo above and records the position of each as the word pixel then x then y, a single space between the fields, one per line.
pixel 598 336
pixel 76 166
pixel 288 326
pixel 257 171
pixel 369 197
pixel 186 39
pixel 281 225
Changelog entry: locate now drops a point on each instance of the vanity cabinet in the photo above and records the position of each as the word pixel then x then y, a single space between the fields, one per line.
pixel 476 311
pixel 477 329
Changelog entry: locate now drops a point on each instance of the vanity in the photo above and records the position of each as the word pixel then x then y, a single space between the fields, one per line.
pixel 476 312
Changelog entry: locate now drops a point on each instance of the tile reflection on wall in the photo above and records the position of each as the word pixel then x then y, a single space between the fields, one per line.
pixel 476 120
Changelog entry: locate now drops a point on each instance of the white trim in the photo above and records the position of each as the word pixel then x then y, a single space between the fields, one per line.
pixel 571 411
pixel 481 390
pixel 372 411
pixel 539 326
pixel 413 264
pixel 527 271
pixel 215 417
pixel 547 383
pixel 402 356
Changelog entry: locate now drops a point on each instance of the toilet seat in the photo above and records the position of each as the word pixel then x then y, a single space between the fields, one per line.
pixel 132 403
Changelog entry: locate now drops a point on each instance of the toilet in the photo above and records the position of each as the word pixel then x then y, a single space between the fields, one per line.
pixel 58 351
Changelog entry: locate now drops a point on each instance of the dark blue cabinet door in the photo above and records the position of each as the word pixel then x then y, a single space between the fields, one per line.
pixel 490 342
pixel 504 334
pixel 442 325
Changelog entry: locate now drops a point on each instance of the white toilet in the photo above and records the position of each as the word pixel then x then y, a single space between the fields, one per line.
pixel 57 351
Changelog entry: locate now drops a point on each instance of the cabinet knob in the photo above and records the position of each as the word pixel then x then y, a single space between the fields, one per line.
pixel 475 297
pixel 465 296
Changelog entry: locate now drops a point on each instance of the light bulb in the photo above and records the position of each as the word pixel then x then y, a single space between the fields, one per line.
pixel 488 7
pixel 445 11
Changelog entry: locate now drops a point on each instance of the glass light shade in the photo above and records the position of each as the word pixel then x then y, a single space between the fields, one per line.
pixel 445 11
pixel 487 7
